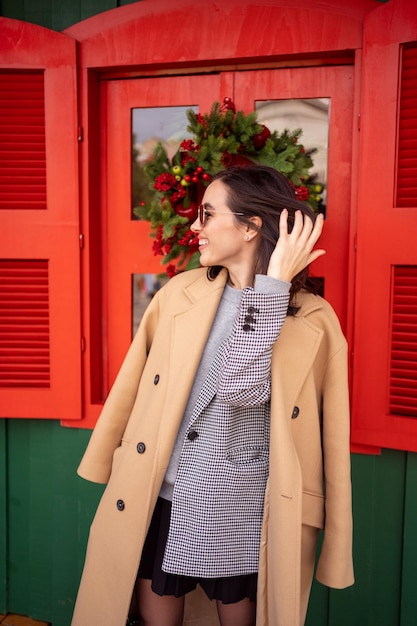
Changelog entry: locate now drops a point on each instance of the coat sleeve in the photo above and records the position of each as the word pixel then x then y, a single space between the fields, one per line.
pixel 335 566
pixel 106 437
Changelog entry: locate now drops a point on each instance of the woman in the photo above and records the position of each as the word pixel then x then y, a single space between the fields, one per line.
pixel 225 438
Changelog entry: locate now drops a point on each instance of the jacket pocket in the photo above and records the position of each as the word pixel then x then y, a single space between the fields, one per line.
pixel 246 433
pixel 313 509
pixel 248 455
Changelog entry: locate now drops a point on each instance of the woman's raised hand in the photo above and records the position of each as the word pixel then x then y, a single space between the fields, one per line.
pixel 294 250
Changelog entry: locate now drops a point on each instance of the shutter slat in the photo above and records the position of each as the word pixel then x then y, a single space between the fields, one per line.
pixel 24 324
pixel 406 195
pixel 403 371
pixel 22 141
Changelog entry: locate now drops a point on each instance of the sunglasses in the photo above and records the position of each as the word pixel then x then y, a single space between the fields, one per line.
pixel 204 214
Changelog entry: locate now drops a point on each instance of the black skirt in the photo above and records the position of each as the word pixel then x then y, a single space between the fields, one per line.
pixel 228 590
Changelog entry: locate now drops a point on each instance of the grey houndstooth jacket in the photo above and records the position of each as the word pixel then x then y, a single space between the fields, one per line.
pixel 218 499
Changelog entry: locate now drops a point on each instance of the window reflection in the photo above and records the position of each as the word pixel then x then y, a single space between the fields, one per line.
pixel 151 125
pixel 312 116
pixel 144 287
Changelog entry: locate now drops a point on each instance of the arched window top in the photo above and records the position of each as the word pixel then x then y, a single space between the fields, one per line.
pixel 135 35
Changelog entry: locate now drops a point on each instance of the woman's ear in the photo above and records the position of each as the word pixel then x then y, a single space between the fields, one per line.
pixel 257 225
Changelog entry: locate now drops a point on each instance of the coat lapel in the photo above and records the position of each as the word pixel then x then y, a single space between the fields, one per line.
pixel 192 322
pixel 292 360
pixel 293 356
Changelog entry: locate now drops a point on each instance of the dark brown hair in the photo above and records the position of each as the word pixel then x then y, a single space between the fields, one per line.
pixel 257 190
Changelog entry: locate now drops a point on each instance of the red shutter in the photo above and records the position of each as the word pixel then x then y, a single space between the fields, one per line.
pixel 385 333
pixel 40 371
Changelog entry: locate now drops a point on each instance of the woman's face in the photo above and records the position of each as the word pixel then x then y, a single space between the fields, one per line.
pixel 221 237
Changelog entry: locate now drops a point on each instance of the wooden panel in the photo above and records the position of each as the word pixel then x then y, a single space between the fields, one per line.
pixel 408 574
pixel 407 129
pixel 378 506
pixel 38 225
pixel 58 14
pixel 135 35
pixel 386 511
pixel 3 517
pixel 22 141
pixel 403 374
pixel 24 324
pixel 385 232
pixel 49 513
pixel 50 510
pixel 318 606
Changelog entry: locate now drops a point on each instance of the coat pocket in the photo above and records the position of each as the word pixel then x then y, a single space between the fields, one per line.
pixel 119 454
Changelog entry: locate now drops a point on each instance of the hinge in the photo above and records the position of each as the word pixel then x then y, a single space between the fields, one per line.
pixel 81 239
pixel 359 122
pixel 80 132
pixel 82 344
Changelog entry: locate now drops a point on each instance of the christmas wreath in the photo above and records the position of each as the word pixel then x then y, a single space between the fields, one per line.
pixel 222 138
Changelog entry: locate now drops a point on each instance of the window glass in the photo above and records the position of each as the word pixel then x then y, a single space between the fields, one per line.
pixel 151 125
pixel 312 116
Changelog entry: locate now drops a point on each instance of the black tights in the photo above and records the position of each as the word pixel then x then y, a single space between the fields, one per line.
pixel 155 610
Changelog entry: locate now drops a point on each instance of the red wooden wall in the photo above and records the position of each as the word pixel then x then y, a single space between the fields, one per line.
pixel 70 356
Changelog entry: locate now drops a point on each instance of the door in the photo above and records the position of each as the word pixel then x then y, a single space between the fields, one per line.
pixel 126 241
pixel 330 87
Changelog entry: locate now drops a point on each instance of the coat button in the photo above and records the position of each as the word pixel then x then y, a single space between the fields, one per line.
pixel 252 310
pixel 295 412
pixel 193 434
pixel 120 505
pixel 156 379
pixel 141 447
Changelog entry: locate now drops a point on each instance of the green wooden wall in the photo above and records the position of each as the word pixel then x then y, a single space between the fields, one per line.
pixel 45 514
pixel 56 14
pixel 46 510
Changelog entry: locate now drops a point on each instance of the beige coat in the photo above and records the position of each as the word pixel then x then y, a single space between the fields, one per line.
pixel 145 406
